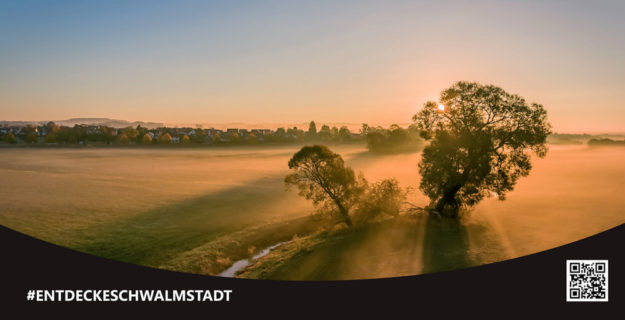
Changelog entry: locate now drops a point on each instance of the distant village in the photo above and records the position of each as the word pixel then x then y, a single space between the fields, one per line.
pixel 81 134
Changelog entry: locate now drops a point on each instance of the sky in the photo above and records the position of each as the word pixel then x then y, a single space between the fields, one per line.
pixel 372 62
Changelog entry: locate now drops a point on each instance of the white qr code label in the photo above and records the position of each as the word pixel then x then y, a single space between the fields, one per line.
pixel 586 280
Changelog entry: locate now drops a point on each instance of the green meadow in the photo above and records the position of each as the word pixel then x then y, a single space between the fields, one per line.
pixel 200 210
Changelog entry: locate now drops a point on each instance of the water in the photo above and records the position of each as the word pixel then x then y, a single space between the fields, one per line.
pixel 239 265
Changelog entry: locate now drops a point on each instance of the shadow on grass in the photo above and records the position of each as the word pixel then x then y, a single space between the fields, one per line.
pixel 384 249
pixel 445 245
pixel 156 235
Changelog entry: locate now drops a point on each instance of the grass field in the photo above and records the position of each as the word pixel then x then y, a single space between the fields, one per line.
pixel 199 210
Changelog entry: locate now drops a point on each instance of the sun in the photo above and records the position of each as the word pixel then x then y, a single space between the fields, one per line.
pixel 441 107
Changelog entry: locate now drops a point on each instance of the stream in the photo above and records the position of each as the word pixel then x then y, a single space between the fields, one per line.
pixel 240 264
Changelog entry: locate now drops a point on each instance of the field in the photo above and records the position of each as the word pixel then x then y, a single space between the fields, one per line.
pixel 199 210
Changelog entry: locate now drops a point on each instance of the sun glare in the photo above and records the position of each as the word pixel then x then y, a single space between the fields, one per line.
pixel 441 107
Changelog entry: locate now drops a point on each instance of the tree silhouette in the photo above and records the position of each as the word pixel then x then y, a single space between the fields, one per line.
pixel 395 139
pixel 146 139
pixel 481 138
pixel 325 134
pixel 344 134
pixel 165 138
pixel 10 138
pixel 312 130
pixel 321 176
pixel 31 138
pixel 130 132
pixel 185 139
pixel 124 139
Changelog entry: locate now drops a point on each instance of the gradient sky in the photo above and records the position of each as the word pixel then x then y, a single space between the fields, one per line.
pixel 293 61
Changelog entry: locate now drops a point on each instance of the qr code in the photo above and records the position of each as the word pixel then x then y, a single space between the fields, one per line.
pixel 586 280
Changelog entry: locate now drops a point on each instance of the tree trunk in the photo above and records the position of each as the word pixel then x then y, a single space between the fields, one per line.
pixel 344 213
pixel 448 200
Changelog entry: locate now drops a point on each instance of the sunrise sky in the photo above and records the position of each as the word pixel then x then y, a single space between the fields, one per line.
pixel 294 61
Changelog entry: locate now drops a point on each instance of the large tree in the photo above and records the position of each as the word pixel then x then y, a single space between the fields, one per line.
pixel 481 139
pixel 321 176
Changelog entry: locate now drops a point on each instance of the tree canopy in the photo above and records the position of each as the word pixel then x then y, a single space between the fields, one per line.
pixel 321 176
pixel 165 138
pixel 312 130
pixel 146 139
pixel 481 139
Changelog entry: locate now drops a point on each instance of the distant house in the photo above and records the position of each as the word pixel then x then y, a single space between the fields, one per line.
pixel 93 129
pixel 231 131
pixel 259 132
pixel 41 131
pixel 15 130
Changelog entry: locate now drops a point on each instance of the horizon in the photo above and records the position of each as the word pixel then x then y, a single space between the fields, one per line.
pixel 283 63
pixel 353 126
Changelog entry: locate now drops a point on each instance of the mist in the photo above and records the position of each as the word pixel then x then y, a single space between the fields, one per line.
pixel 198 210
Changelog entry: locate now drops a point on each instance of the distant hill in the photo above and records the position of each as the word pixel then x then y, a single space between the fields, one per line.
pixel 108 122
pixel 606 142
pixel 572 138
pixel 89 121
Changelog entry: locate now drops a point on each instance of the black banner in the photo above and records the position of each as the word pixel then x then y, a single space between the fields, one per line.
pixel 533 284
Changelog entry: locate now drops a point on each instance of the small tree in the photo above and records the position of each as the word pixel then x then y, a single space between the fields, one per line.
pixel 50 137
pixel 10 138
pixel 124 139
pixel 312 130
pixel 141 132
pixel 51 127
pixel 321 176
pixel 146 139
pixel 481 137
pixel 279 135
pixel 130 132
pixel 31 138
pixel 392 140
pixel 334 133
pixel 344 134
pixel 186 139
pixel 165 138
pixel 384 198
pixel 325 134
pixel 108 134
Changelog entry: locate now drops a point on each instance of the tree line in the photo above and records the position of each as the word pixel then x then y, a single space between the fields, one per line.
pixel 378 139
